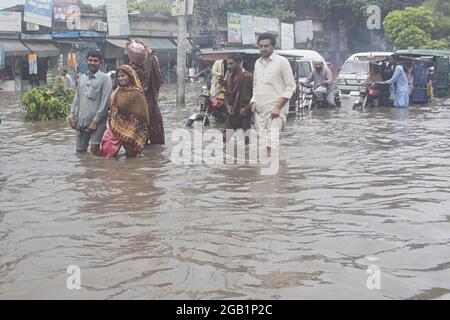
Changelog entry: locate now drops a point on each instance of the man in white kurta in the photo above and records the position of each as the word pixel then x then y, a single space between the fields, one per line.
pixel 273 86
pixel 217 72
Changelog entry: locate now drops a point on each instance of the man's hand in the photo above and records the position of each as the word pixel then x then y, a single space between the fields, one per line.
pixel 253 106
pixel 276 109
pixel 275 112
pixel 93 127
pixel 228 107
pixel 73 123
pixel 243 112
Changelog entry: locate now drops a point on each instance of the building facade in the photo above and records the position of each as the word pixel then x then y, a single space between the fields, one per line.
pixel 67 42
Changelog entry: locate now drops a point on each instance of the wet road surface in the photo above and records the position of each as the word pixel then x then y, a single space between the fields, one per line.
pixel 356 192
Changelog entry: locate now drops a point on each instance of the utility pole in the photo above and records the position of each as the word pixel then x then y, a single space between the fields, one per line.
pixel 181 60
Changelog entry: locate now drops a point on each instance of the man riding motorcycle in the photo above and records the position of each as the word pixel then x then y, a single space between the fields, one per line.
pixel 321 75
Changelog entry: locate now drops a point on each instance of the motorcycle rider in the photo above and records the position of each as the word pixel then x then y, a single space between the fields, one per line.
pixel 321 75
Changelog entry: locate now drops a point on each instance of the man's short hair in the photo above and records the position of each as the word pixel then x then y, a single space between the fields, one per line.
pixel 268 36
pixel 95 54
pixel 64 70
pixel 236 57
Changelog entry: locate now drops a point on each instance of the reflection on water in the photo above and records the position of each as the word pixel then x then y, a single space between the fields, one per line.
pixel 354 189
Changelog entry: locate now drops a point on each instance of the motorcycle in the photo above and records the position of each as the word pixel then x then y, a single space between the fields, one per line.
pixel 210 105
pixel 372 96
pixel 317 96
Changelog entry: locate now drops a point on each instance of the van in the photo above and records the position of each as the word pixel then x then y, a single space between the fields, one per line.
pixel 355 71
pixel 305 64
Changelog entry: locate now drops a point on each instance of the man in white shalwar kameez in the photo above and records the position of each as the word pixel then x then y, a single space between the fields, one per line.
pixel 273 86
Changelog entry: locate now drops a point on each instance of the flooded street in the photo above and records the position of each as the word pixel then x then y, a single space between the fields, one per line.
pixel 356 192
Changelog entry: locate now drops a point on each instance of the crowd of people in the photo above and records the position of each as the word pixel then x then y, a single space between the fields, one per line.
pixel 130 116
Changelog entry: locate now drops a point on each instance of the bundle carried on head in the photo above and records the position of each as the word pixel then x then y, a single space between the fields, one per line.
pixel 137 51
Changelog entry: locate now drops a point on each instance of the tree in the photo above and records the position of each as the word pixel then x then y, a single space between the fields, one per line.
pixel 411 36
pixel 357 9
pixel 441 13
pixel 410 27
pixel 138 6
pixel 437 45
pixel 144 6
pixel 87 8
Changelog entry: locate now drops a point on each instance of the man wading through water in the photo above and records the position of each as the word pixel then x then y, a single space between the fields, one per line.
pixel 238 95
pixel 90 106
pixel 273 86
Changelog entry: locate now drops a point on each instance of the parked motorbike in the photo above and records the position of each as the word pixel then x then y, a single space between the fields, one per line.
pixel 372 96
pixel 210 105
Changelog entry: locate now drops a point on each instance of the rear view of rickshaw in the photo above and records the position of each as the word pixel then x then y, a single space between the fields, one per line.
pixel 375 93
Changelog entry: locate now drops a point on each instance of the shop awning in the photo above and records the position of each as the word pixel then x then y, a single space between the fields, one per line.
pixel 14 48
pixel 116 48
pixel 43 49
pixel 65 35
pixel 121 43
pixel 92 34
pixel 159 44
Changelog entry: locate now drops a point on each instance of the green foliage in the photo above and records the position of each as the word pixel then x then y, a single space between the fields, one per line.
pixel 437 45
pixel 44 103
pixel 441 26
pixel 411 36
pixel 441 14
pixel 442 6
pixel 143 6
pixel 87 8
pixel 357 9
pixel 138 6
pixel 281 9
pixel 410 27
pixel 354 12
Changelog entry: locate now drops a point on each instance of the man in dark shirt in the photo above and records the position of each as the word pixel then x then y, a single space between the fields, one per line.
pixel 239 92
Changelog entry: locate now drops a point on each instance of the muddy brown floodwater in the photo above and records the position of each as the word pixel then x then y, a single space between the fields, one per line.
pixel 358 194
